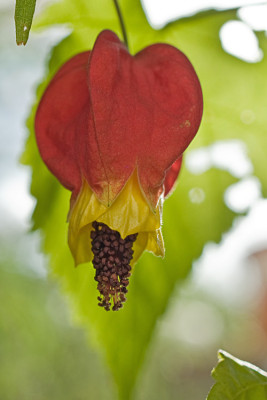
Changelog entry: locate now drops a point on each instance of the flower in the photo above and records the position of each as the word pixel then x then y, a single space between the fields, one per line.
pixel 112 128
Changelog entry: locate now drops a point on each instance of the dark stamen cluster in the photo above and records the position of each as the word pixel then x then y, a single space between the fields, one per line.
pixel 112 256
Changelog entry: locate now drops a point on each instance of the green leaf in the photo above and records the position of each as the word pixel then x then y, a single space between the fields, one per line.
pixel 23 19
pixel 124 336
pixel 33 308
pixel 229 87
pixel 234 91
pixel 87 18
pixel 237 380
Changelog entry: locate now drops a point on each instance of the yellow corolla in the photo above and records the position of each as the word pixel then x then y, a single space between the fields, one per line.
pixel 129 214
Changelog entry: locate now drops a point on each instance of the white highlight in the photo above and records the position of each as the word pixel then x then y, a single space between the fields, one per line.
pixel 247 117
pixel 254 16
pixel 15 197
pixel 160 12
pixel 229 155
pixel 197 195
pixel 239 40
pixel 242 195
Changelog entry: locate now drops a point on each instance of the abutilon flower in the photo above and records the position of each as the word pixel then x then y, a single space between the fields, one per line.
pixel 112 128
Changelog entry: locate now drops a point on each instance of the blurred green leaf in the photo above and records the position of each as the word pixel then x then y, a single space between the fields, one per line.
pixel 229 88
pixel 23 19
pixel 90 17
pixel 234 91
pixel 237 380
pixel 41 352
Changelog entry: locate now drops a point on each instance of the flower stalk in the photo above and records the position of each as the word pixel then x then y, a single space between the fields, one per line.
pixel 123 29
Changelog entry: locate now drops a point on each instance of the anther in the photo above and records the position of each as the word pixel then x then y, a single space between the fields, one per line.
pixel 112 256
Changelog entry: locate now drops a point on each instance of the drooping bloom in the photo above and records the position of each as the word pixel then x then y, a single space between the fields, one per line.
pixel 112 128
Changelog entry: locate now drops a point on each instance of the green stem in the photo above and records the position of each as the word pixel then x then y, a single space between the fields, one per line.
pixel 121 23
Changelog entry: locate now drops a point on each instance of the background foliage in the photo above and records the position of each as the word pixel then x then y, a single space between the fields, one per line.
pixel 237 379
pixel 230 86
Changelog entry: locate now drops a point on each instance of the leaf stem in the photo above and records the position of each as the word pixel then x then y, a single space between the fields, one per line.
pixel 121 23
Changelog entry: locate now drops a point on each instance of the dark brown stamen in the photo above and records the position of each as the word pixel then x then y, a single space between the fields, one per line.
pixel 112 256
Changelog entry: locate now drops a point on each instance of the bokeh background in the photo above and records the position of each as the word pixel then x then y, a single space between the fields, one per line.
pixel 44 353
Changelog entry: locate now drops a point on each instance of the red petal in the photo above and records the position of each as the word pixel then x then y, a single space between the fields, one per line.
pixel 146 111
pixel 58 120
pixel 172 175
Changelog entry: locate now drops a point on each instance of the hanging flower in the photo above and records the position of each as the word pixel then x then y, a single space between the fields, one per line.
pixel 112 128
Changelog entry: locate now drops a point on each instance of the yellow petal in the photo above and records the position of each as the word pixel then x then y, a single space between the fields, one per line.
pixel 128 214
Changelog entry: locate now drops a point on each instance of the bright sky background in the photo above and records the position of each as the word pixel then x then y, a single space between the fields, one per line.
pixel 162 11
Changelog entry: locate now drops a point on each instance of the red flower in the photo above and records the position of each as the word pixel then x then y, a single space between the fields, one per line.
pixel 112 128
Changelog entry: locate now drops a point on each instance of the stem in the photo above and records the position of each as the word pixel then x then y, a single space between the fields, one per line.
pixel 121 23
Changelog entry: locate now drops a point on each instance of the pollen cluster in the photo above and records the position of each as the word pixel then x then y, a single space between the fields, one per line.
pixel 112 256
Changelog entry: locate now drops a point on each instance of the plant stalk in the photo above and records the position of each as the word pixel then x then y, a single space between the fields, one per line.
pixel 124 34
